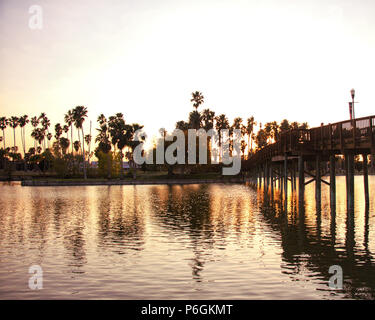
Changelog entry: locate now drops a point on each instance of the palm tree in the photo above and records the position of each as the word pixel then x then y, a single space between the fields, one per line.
pixel 294 125
pixel 133 144
pixel 237 124
pixel 49 137
pixel 64 144
pixel 103 139
pixel 69 119
pixel 46 124
pixel 79 115
pixel 65 129
pixel 284 125
pixel 58 131
pixel 194 120
pixel 34 123
pixel 3 125
pixel 249 130
pixel 275 130
pixel 120 134
pixel 182 125
pixel 208 118
pixel 14 122
pixel 87 139
pixel 221 124
pixel 23 121
pixel 39 135
pixel 77 145
pixel 197 98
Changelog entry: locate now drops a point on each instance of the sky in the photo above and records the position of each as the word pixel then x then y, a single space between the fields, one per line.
pixel 268 59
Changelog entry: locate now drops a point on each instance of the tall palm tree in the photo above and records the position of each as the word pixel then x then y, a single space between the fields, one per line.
pixel 197 99
pixel 87 139
pixel 23 121
pixel 39 135
pixel 237 124
pixel 250 130
pixel 49 137
pixel 14 122
pixel 58 131
pixel 221 124
pixel 275 130
pixel 120 134
pixel 3 125
pixel 79 115
pixel 46 124
pixel 104 142
pixel 34 123
pixel 66 130
pixel 132 129
pixel 69 119
pixel 208 118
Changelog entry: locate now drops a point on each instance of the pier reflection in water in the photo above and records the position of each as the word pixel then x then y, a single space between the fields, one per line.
pixel 184 242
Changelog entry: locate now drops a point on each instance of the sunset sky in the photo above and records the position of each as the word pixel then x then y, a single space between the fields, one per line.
pixel 271 59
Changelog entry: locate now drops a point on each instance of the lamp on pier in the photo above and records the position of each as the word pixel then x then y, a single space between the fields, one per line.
pixel 351 104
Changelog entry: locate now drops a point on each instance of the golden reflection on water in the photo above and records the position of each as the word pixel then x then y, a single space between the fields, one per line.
pixel 184 241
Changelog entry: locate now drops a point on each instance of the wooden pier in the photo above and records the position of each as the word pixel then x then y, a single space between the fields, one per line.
pixel 309 151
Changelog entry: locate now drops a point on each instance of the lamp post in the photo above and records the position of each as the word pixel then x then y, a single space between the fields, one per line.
pixel 352 92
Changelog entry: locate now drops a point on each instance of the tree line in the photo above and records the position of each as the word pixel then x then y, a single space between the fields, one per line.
pixel 251 141
pixel 115 138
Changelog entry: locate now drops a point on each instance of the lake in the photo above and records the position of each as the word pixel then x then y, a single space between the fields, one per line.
pixel 213 241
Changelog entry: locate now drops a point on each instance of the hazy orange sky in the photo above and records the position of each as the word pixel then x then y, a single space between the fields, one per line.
pixel 271 59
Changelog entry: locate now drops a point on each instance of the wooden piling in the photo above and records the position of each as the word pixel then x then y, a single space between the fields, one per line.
pixel 295 174
pixel 365 179
pixel 332 182
pixel 301 178
pixel 318 181
pixel 271 178
pixel 350 180
pixel 286 177
pixel 265 177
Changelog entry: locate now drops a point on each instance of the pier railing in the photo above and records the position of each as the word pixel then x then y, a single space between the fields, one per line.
pixel 351 135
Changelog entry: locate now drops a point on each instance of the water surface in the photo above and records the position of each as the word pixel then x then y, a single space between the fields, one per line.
pixel 224 241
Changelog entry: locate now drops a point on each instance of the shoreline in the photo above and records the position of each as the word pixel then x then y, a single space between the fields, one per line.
pixel 56 183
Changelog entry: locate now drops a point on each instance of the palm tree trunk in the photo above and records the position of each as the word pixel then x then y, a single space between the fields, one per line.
pixel 89 146
pixel 23 146
pixel 83 156
pixel 14 139
pixel 4 138
pixel 109 165
pixel 71 136
pixel 122 165
pixel 220 148
pixel 248 146
pixel 23 141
